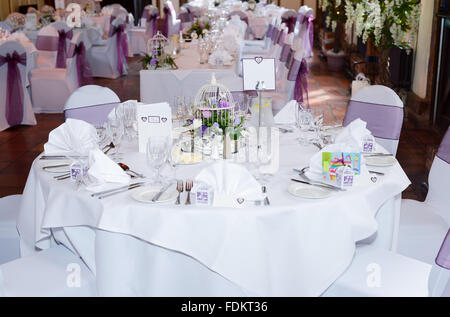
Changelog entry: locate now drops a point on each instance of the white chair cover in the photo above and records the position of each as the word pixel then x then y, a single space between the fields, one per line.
pixel 27 113
pixel 9 237
pixel 174 24
pixel 5 26
pixel 46 57
pixel 92 104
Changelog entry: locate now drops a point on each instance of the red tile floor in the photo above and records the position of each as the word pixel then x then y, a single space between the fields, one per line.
pixel 328 92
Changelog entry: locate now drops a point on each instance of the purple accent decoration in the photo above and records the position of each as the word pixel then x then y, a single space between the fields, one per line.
pixel 269 31
pixel 152 20
pixel 113 17
pixel 285 52
pixel 83 70
pixel 383 121
pixel 289 58
pixel 122 45
pixel 61 56
pixel 146 14
pixel 274 36
pixel 14 88
pixel 444 149
pixel 299 73
pixel 281 38
pixel 47 43
pixel 290 23
pixel 310 27
pixel 95 115
pixel 165 23
pixel 443 257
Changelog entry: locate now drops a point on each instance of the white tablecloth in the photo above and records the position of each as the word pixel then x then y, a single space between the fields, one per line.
pixel 164 85
pixel 89 35
pixel 295 247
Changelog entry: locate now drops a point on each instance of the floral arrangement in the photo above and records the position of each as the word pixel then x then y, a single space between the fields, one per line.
pixel 199 28
pixel 15 20
pixel 335 19
pixel 388 23
pixel 158 59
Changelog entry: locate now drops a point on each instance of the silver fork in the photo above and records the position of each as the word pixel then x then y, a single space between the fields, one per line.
pixel 180 190
pixel 189 184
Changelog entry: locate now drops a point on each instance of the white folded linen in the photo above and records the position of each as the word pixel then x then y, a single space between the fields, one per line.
pixel 287 114
pixel 73 137
pixel 220 57
pixel 103 170
pixel 353 134
pixel 233 185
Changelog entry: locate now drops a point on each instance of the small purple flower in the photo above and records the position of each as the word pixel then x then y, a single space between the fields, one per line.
pixel 154 52
pixel 202 26
pixel 215 125
pixel 237 121
pixel 206 114
pixel 153 61
pixel 223 104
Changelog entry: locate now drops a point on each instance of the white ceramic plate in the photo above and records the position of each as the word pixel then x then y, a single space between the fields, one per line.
pixel 146 194
pixel 309 191
pixel 62 169
pixel 381 161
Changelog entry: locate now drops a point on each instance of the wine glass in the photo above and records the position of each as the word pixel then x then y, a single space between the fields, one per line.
pixel 115 131
pixel 304 120
pixel 158 148
pixel 127 113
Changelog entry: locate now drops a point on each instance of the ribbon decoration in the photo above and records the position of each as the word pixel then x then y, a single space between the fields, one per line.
pixel 290 23
pixel 186 16
pixel 274 36
pixel 121 44
pixel 284 52
pixel 309 31
pixel 281 38
pixel 299 73
pixel 113 17
pixel 83 69
pixel 14 88
pixel 61 56
pixel 152 21
pixel 289 58
pixel 165 22
pixel 269 31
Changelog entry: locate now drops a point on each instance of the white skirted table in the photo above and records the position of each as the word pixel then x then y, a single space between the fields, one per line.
pixel 294 247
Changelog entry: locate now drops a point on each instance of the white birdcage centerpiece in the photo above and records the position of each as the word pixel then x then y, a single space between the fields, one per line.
pixel 157 43
pixel 157 57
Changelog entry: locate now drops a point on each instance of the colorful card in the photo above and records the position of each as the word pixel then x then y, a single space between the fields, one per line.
pixel 331 161
pixel 153 119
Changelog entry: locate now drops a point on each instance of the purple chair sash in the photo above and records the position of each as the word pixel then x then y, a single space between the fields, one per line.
pixel 274 36
pixel 310 28
pixel 269 31
pixel 284 52
pixel 281 38
pixel 290 23
pixel 84 72
pixel 299 72
pixel 290 58
pixel 443 257
pixel 61 56
pixel 122 45
pixel 14 87
pixel 152 20
pixel 47 43
pixel 384 121
pixel 165 22
pixel 95 115
pixel 444 149
pixel 113 17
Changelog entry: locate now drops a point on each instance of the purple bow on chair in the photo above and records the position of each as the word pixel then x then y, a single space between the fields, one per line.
pixel 275 33
pixel 281 38
pixel 62 48
pixel 269 31
pixel 289 58
pixel 285 52
pixel 122 45
pixel 152 19
pixel 299 72
pixel 310 28
pixel 290 23
pixel 165 22
pixel 14 88
pixel 83 69
pixel 186 16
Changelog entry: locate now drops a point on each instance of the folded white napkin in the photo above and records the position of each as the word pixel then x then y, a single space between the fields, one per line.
pixel 220 57
pixel 103 170
pixel 353 134
pixel 74 137
pixel 233 185
pixel 287 114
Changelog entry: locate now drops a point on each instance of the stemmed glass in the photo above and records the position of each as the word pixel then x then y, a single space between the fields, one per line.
pixel 115 131
pixel 127 113
pixel 158 149
pixel 304 119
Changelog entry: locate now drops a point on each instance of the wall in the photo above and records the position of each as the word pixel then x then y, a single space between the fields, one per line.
pixel 422 52
pixel 8 6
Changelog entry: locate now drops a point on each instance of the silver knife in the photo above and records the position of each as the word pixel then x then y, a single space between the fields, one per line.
pixel 166 187
pixel 327 186
pixel 318 182
pixel 121 191
pixel 377 154
pixel 115 189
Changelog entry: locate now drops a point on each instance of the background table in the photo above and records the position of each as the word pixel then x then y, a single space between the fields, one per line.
pixel 295 247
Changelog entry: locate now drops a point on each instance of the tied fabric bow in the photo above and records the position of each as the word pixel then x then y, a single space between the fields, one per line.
pixel 122 46
pixel 14 88
pixel 62 49
pixel 83 70
pixel 152 20
pixel 309 31
pixel 186 16
pixel 165 23
pixel 269 31
pixel 299 73
pixel 289 22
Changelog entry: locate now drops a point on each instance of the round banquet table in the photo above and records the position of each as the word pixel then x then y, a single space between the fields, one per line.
pixel 294 247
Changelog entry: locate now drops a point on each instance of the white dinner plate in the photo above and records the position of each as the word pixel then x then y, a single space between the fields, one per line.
pixel 309 191
pixel 381 161
pixel 62 169
pixel 146 194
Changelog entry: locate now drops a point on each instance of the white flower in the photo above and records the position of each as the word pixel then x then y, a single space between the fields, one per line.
pixel 194 35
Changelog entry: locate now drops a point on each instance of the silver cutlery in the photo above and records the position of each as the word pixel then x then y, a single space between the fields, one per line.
pixel 127 169
pixel 316 184
pixel 55 166
pixel 180 190
pixel 110 146
pixel 189 184
pixel 266 198
pixel 130 187
pixel 283 130
pixel 162 191
pixel 62 176
pixel 376 154
pixel 377 173
pixel 61 157
pixel 115 189
pixel 306 178
pixel 320 147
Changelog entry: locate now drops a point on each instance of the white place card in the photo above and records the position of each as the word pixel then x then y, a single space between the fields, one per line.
pixel 258 69
pixel 60 4
pixel 153 119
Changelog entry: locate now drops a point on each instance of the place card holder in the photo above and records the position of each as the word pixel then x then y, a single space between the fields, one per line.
pixel 368 144
pixel 74 18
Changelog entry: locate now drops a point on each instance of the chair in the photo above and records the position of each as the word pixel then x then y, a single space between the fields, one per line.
pixel 6 26
pixel 9 237
pixel 62 80
pixel 170 24
pixel 52 43
pixel 110 60
pixel 54 272
pixel 15 103
pixel 149 27
pixel 378 272
pixel 304 32
pixel 382 109
pixel 92 104
pixel 424 224
pixel 289 18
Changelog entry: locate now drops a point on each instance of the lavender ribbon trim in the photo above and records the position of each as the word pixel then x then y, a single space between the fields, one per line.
pixel 384 121
pixel 281 38
pixel 14 88
pixel 443 257
pixel 290 58
pixel 285 52
pixel 269 31
pixel 95 115
pixel 122 46
pixel 299 72
pixel 310 27
pixel 274 36
pixel 61 56
pixel 444 149
pixel 83 69
pixel 47 43
pixel 290 23
pixel 152 21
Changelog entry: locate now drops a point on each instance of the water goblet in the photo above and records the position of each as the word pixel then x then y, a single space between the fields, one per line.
pixel 158 148
pixel 115 131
